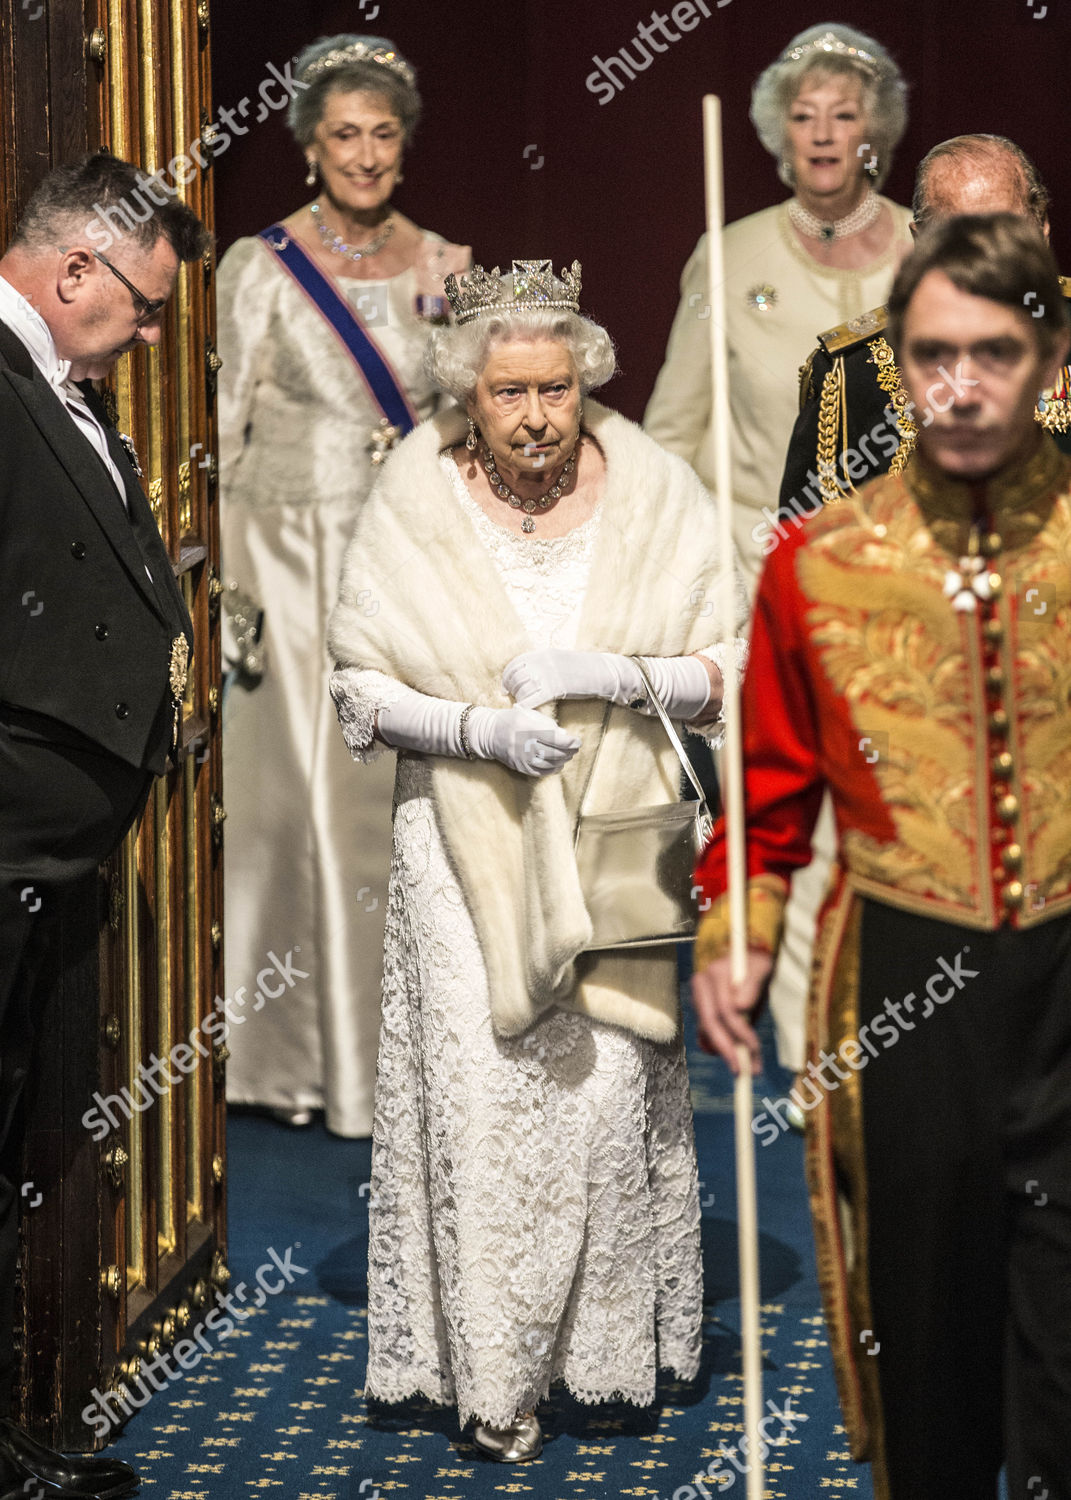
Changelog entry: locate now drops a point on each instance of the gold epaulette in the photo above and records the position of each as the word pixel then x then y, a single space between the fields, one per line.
pixel 806 387
pixel 865 326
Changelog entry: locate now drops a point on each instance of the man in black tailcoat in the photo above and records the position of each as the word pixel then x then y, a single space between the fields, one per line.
pixel 94 635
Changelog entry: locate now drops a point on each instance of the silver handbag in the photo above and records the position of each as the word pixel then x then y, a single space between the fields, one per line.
pixel 636 868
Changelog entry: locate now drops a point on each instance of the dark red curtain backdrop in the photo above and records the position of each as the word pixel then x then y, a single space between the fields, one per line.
pixel 517 157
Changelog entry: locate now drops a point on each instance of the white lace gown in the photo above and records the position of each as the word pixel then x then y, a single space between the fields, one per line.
pixel 534 1209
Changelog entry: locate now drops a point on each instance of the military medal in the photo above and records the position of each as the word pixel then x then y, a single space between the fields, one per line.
pixel 176 672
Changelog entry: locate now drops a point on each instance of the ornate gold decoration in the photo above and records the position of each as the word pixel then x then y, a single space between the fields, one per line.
pixel 115 1165
pixel 185 491
pixel 1053 409
pixel 97 46
pixel 831 419
pixel 112 1031
pixel 156 500
pixel 219 1274
pixel 911 669
pixel 766 898
pixel 111 1279
pixel 220 1054
pixel 892 383
pixel 217 1169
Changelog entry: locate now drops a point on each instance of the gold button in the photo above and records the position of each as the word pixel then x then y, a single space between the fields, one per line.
pixel 991 544
pixel 996 583
pixel 1012 856
pixel 994 679
pixel 1013 893
pixel 998 721
pixel 1002 763
pixel 993 631
pixel 1008 808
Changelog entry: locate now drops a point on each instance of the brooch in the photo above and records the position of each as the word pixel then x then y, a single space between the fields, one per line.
pixel 763 297
pixel 382 440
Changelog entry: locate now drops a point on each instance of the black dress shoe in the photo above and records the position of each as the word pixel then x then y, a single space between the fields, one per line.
pixel 76 1478
pixel 16 1484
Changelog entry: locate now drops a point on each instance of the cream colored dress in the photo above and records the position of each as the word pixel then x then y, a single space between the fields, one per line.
pixel 308 839
pixel 534 1212
pixel 777 301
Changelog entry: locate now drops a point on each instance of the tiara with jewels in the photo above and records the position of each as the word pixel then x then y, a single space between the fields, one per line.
pixel 359 52
pixel 534 286
pixel 829 41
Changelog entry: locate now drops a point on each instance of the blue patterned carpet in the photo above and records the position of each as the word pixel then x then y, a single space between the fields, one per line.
pixel 279 1406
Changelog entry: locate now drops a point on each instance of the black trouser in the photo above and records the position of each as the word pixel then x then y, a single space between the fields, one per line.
pixel 967 1123
pixel 62 810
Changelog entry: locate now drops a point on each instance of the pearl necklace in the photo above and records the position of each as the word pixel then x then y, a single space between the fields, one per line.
pixel 860 218
pixel 338 246
pixel 503 491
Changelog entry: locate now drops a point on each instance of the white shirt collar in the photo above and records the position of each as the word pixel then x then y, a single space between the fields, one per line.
pixel 27 323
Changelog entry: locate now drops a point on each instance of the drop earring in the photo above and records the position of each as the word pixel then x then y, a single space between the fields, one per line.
pixel 470 441
pixel 310 175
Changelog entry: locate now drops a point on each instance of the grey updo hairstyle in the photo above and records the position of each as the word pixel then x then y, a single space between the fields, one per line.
pixel 455 356
pixel 883 93
pixel 307 106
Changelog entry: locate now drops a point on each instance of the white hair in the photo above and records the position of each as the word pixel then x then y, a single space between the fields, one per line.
pixel 883 93
pixel 455 356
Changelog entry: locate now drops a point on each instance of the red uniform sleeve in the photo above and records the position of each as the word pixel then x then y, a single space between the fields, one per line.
pixel 783 779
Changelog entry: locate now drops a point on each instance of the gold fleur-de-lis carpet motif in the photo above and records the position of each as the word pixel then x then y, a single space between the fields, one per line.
pixel 278 1408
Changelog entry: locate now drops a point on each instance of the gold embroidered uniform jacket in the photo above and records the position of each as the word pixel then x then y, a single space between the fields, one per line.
pixel 943 734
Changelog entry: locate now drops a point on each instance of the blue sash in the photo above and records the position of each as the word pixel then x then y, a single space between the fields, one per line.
pixel 383 385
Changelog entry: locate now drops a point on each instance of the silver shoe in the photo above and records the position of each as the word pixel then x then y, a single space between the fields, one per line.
pixel 516 1444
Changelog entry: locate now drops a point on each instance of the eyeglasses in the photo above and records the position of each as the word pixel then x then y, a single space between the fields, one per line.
pixel 144 310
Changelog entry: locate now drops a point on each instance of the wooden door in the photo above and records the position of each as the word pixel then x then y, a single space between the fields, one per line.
pixel 123 1228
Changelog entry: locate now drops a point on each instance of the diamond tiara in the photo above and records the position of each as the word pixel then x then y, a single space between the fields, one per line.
pixel 359 52
pixel 829 41
pixel 534 286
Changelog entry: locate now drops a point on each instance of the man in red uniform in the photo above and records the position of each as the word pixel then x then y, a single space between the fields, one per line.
pixel 911 650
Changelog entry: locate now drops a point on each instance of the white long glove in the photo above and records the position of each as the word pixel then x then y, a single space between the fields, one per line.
pixel 521 739
pixel 535 677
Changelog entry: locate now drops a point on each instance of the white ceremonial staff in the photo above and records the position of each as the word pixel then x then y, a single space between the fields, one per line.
pixel 732 786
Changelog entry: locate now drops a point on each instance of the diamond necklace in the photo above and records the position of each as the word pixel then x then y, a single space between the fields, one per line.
pixel 860 218
pixel 338 246
pixel 503 491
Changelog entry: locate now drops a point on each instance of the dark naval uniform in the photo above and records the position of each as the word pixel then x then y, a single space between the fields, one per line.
pixel 94 645
pixel 855 421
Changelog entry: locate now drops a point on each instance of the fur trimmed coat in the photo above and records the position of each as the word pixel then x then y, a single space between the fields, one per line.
pixel 420 600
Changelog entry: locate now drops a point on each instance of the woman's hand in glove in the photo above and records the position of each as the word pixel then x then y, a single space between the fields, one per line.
pixel 520 738
pixel 546 676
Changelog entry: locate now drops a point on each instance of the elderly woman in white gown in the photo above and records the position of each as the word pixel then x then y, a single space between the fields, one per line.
pixel 534 1212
